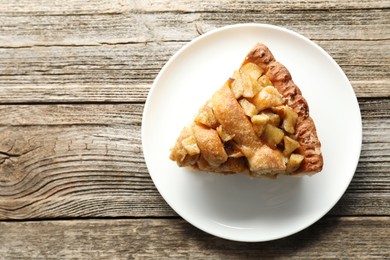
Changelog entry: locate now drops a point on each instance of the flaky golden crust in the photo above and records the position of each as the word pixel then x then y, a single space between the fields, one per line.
pixel 244 150
pixel 310 146
pixel 178 153
pixel 210 145
pixel 232 118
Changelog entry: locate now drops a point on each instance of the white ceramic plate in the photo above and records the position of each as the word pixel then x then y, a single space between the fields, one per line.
pixel 237 207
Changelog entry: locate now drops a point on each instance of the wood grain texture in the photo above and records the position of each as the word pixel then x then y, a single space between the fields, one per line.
pixel 63 22
pixel 73 79
pixel 86 160
pixel 112 51
pixel 118 6
pixel 345 237
pixel 123 73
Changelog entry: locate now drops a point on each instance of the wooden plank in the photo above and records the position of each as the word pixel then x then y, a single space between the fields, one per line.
pixel 138 63
pixel 344 237
pixel 42 7
pixel 121 93
pixel 72 52
pixel 123 73
pixel 117 6
pixel 29 24
pixel 253 5
pixel 91 93
pixel 86 161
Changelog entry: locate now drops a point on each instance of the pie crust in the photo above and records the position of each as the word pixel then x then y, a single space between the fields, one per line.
pixel 257 123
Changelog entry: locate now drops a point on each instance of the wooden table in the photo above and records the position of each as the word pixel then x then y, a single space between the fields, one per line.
pixel 74 76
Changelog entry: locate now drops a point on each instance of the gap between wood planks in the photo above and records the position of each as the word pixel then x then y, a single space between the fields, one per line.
pixel 88 44
pixel 127 42
pixel 94 102
pixel 177 217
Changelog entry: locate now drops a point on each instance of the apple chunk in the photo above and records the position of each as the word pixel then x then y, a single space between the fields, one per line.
pixel 289 145
pixel 259 122
pixel 250 74
pixel 248 107
pixel 272 135
pixel 266 98
pixel 190 145
pixel 206 117
pixel 294 162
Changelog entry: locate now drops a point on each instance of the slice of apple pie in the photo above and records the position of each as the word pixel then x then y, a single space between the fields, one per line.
pixel 257 123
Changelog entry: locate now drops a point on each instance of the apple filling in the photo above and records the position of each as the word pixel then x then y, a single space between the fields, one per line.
pixel 272 120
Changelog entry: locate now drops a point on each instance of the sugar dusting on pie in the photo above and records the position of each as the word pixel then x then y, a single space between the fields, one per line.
pixel 257 123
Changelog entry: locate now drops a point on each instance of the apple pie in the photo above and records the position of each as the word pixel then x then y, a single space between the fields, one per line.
pixel 257 123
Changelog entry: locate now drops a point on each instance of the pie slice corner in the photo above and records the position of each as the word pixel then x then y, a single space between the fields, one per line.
pixel 257 123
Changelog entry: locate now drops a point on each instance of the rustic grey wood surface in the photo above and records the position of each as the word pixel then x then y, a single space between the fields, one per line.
pixel 74 76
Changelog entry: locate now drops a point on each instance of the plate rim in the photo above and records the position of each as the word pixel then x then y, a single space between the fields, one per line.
pixel 182 49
